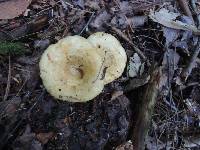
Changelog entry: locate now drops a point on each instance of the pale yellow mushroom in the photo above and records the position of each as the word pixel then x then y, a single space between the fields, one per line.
pixel 113 55
pixel 70 70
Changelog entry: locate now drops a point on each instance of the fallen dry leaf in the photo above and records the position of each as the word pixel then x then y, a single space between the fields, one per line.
pixel 135 67
pixel 170 20
pixel 45 137
pixel 102 17
pixel 13 8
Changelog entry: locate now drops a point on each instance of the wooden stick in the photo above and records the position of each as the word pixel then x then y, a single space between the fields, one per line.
pixel 146 110
pixel 185 7
pixel 188 69
pixel 122 35
pixel 8 81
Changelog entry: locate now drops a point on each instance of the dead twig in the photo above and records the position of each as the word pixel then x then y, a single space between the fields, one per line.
pixel 65 4
pixel 87 24
pixel 198 61
pixel 195 10
pixel 188 69
pixel 185 7
pixel 146 110
pixel 192 142
pixel 136 49
pixel 8 81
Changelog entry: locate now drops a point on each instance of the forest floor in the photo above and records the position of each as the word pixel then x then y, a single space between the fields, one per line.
pixel 154 105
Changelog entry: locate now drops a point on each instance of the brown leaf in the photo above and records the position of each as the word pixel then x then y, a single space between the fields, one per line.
pixel 13 8
pixel 45 137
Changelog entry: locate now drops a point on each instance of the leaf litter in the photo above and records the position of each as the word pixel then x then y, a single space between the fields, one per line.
pixel 135 66
pixel 13 8
pixel 152 32
pixel 170 20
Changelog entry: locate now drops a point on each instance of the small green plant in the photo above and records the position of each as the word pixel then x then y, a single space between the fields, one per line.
pixel 12 48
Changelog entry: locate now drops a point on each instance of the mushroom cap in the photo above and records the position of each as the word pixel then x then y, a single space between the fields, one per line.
pixel 70 70
pixel 113 55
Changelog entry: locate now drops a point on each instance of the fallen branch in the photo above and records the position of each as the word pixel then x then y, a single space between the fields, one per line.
pixel 145 112
pixel 188 69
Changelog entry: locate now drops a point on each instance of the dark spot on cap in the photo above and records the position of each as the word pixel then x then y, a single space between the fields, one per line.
pixel 104 72
pixel 59 89
pixel 81 72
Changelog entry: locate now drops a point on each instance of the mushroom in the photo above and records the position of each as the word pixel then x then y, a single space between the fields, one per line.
pixel 76 69
pixel 70 70
pixel 113 55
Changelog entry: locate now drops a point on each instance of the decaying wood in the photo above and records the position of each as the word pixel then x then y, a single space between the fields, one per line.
pixel 145 112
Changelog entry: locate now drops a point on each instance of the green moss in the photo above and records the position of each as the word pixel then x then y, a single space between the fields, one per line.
pixel 12 48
